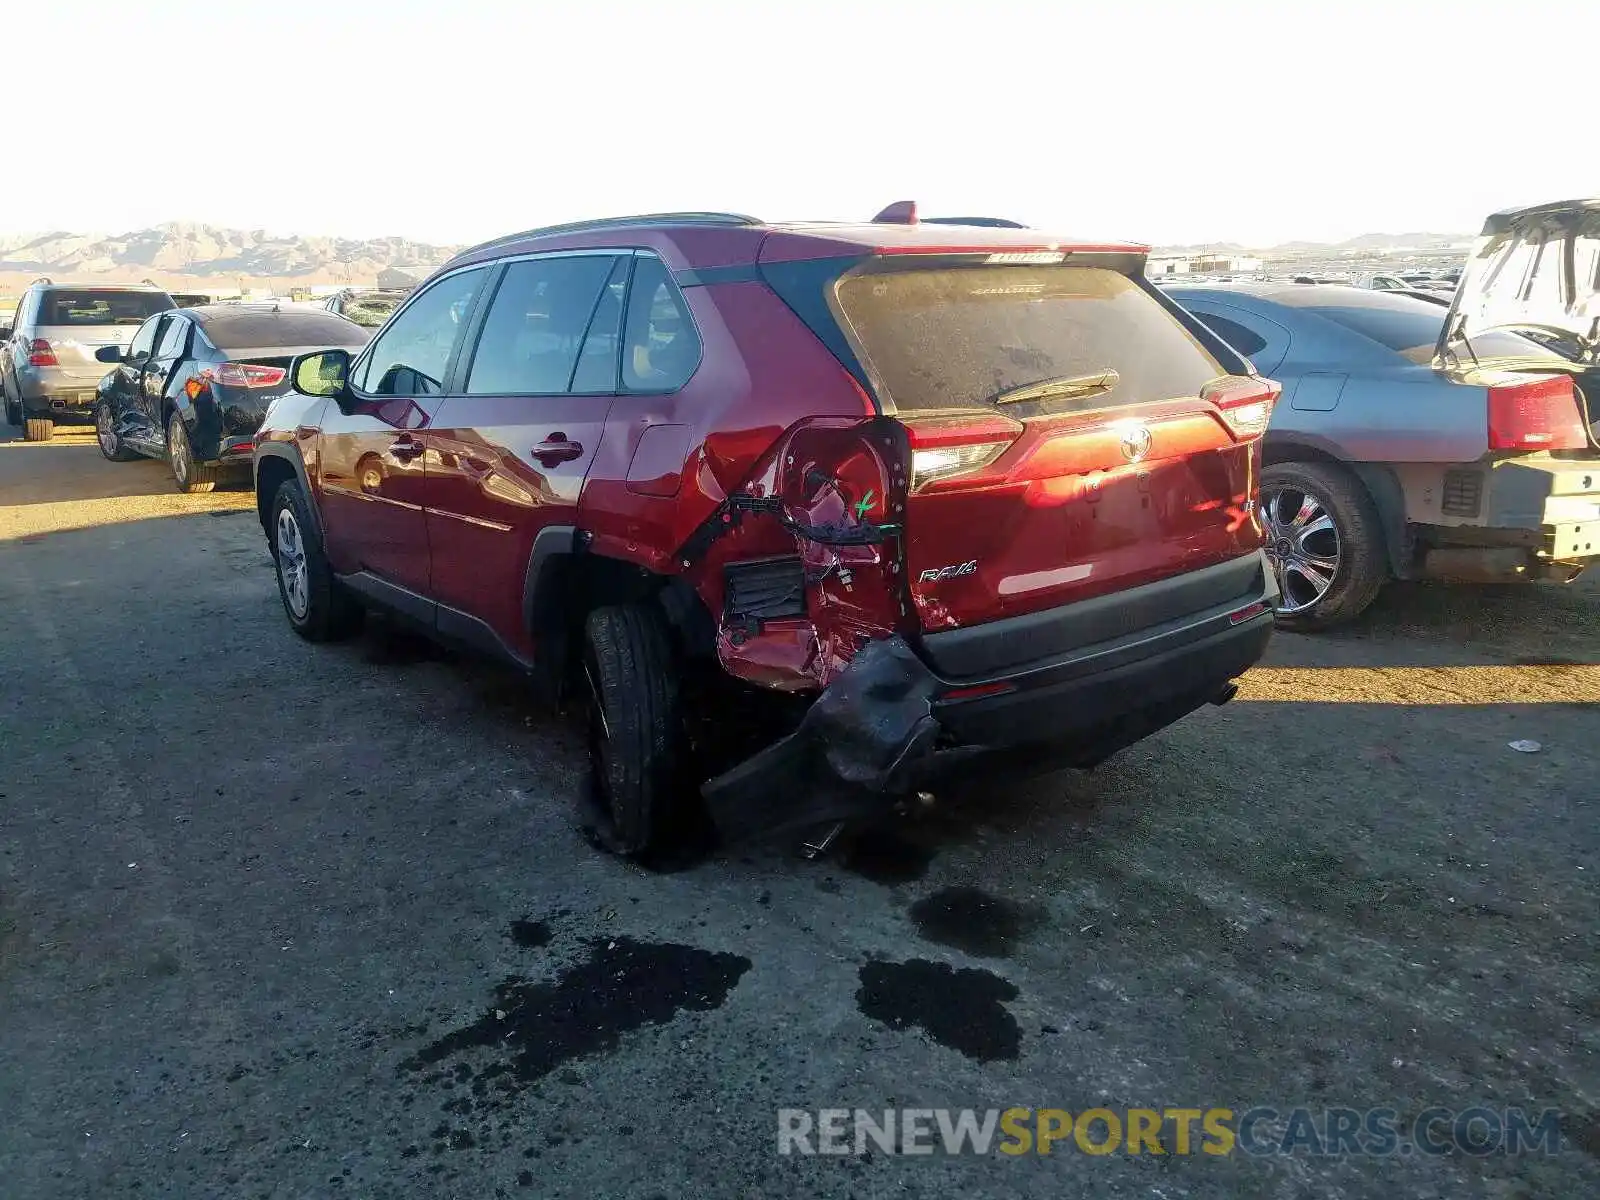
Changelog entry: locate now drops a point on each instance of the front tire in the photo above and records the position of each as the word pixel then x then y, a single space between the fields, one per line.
pixel 192 478
pixel 318 606
pixel 38 429
pixel 110 444
pixel 1325 543
pixel 636 734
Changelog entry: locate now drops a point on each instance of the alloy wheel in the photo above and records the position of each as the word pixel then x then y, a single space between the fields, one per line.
pixel 1302 546
pixel 292 565
pixel 102 430
pixel 178 454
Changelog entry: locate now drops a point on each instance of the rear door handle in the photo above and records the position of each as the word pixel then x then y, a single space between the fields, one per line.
pixel 405 449
pixel 556 449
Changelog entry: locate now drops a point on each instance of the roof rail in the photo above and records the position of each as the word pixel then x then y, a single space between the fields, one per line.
pixel 41 279
pixel 654 220
pixel 986 222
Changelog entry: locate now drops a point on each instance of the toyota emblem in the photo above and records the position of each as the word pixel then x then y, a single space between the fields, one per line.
pixel 1135 442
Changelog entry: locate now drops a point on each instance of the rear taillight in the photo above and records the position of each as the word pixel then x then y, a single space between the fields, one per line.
pixel 1541 414
pixel 1245 403
pixel 40 354
pixel 244 375
pixel 948 447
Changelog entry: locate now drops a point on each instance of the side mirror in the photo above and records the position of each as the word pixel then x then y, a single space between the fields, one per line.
pixel 325 373
pixel 109 354
pixel 5 333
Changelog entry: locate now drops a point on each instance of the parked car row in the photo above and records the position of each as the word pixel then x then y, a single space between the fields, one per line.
pixel 953 494
pixel 187 384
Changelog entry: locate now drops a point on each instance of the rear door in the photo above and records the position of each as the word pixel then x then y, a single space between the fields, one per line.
pixel 157 370
pixel 1070 436
pixel 509 451
pixel 371 469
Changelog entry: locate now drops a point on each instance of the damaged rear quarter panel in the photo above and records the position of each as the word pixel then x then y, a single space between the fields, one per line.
pixel 838 479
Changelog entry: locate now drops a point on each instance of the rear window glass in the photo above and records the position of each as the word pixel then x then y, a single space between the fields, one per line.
pixel 958 337
pixel 1413 332
pixel 249 331
pixel 100 308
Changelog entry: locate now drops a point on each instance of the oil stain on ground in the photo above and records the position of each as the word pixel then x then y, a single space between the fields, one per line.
pixel 886 857
pixel 531 934
pixel 963 1009
pixel 623 985
pixel 970 919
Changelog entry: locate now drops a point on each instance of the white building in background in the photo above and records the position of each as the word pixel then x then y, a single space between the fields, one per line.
pixel 1202 264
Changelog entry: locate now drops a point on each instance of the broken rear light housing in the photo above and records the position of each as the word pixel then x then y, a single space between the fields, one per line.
pixel 1245 403
pixel 1541 414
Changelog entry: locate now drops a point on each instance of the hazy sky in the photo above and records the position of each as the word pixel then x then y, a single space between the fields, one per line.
pixel 455 120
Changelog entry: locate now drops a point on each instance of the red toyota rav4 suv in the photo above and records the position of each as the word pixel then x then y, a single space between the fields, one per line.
pixel 968 489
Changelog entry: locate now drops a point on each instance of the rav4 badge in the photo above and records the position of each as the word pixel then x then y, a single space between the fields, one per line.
pixel 955 571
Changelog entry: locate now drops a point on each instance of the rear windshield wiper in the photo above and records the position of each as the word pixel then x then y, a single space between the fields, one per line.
pixel 1091 384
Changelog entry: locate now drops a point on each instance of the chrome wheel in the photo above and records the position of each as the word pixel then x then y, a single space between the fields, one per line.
pixel 178 453
pixel 292 565
pixel 1302 545
pixel 102 430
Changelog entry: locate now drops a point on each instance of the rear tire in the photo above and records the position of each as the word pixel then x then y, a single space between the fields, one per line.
pixel 38 429
pixel 319 607
pixel 110 444
pixel 192 478
pixel 1321 526
pixel 636 734
pixel 13 407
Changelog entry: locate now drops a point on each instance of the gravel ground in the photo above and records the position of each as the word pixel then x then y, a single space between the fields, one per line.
pixel 286 921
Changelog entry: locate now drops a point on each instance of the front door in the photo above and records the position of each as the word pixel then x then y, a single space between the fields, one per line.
pixel 371 469
pixel 509 451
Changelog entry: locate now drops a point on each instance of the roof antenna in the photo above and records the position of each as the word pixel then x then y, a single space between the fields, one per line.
pixel 901 212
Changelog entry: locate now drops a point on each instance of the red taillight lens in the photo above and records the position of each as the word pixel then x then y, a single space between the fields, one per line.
pixel 244 375
pixel 40 354
pixel 1541 414
pixel 952 446
pixel 1245 403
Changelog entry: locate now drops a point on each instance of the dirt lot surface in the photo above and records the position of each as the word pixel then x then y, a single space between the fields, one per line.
pixel 280 920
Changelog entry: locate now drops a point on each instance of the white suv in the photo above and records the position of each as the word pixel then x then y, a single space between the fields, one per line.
pixel 48 369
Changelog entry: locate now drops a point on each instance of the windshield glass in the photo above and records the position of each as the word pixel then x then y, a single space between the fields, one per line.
pixel 101 308
pixel 959 337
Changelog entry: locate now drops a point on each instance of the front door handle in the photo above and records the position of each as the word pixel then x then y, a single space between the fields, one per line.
pixel 406 449
pixel 556 449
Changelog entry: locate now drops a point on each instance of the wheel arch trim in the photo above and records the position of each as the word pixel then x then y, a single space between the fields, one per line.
pixel 291 455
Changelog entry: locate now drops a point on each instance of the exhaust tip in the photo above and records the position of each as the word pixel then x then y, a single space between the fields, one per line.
pixel 1227 693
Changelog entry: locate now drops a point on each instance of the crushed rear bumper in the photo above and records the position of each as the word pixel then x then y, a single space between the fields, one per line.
pixel 897 719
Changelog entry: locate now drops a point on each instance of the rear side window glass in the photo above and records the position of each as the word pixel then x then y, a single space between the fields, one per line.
pixel 410 356
pixel 83 307
pixel 959 337
pixel 1236 335
pixel 660 346
pixel 536 325
pixel 601 354
pixel 173 339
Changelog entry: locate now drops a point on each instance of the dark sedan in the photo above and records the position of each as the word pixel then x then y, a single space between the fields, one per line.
pixel 195 383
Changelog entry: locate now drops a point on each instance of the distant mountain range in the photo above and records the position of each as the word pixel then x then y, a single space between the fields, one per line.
pixel 1366 241
pixel 200 251
pixel 188 251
